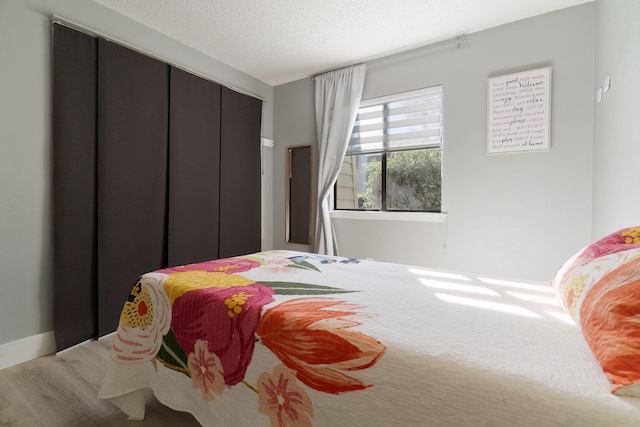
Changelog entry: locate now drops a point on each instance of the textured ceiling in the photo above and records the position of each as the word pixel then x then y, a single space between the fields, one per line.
pixel 277 41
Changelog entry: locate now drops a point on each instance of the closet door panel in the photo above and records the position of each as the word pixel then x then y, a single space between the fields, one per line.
pixel 194 168
pixel 132 174
pixel 74 180
pixel 240 174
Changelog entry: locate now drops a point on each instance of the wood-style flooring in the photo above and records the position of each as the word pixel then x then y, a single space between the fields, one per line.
pixel 61 390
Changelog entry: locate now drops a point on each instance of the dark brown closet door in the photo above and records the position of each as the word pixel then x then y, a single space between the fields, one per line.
pixel 74 201
pixel 194 168
pixel 132 174
pixel 239 174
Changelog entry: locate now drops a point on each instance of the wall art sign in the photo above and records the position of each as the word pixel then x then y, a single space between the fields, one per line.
pixel 519 112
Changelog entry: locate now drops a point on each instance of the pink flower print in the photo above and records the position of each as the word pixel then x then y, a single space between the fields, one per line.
pixel 226 318
pixel 621 240
pixel 206 371
pixel 278 266
pixel 282 400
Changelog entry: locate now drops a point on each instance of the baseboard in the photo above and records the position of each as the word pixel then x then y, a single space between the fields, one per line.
pixel 22 350
pixel 74 346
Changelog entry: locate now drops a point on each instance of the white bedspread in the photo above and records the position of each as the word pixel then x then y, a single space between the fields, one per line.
pixel 461 350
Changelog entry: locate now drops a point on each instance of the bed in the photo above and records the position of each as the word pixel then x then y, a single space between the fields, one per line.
pixel 287 338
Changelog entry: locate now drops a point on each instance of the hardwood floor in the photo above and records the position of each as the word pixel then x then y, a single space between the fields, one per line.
pixel 61 390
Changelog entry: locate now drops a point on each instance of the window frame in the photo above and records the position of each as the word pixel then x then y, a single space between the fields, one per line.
pixel 396 214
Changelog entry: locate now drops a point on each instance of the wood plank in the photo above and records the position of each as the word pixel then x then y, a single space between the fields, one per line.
pixel 14 409
pixel 62 390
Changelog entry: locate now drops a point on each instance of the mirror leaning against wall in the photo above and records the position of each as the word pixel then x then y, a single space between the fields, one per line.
pixel 298 197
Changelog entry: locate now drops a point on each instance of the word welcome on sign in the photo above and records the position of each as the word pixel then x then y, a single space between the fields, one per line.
pixel 518 111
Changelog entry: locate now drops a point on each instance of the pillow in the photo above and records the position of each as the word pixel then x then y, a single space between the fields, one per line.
pixel 600 288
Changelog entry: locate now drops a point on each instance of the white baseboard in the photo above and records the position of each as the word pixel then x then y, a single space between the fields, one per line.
pixel 22 350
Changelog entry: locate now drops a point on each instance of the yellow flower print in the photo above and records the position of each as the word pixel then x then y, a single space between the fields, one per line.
pixel 573 291
pixel 180 283
pixel 145 319
pixel 138 310
pixel 235 303
pixel 631 235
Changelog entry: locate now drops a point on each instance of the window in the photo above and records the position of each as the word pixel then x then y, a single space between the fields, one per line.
pixel 394 157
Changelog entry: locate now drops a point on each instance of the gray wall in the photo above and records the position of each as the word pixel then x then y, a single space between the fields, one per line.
pixel 517 215
pixel 25 143
pixel 294 124
pixel 616 173
pixel 514 215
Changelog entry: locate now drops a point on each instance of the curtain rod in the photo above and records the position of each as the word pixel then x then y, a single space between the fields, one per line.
pixel 94 33
pixel 377 60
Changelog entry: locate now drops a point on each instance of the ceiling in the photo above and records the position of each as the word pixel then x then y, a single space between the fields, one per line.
pixel 278 41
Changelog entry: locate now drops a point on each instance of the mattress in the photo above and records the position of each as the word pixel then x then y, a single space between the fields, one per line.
pixel 337 341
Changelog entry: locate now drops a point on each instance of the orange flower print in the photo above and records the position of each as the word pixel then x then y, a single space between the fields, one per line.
pixel 610 321
pixel 311 336
pixel 282 400
pixel 206 371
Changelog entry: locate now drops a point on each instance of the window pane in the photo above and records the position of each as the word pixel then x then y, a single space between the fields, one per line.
pixel 414 180
pixel 407 120
pixel 395 154
pixel 359 183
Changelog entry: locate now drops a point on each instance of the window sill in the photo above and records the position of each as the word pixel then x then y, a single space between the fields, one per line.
pixel 390 216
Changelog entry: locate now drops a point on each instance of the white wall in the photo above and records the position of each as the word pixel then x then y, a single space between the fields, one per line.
pixel 26 288
pixel 518 215
pixel 616 172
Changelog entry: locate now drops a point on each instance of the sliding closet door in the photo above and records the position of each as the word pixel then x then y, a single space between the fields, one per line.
pixel 132 174
pixel 74 201
pixel 240 174
pixel 194 172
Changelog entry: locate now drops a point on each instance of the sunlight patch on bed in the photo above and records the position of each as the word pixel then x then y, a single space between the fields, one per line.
pixel 517 285
pixel 451 286
pixel 562 316
pixel 505 308
pixel 534 298
pixel 441 274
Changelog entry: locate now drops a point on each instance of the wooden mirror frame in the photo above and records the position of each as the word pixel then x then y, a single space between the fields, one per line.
pixel 298 196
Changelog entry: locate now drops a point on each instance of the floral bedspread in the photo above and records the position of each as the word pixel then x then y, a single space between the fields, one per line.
pixel 204 321
pixel 295 339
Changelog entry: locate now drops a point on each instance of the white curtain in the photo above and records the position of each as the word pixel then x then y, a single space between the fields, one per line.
pixel 338 96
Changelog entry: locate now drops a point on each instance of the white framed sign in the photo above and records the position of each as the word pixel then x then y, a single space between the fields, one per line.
pixel 519 112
